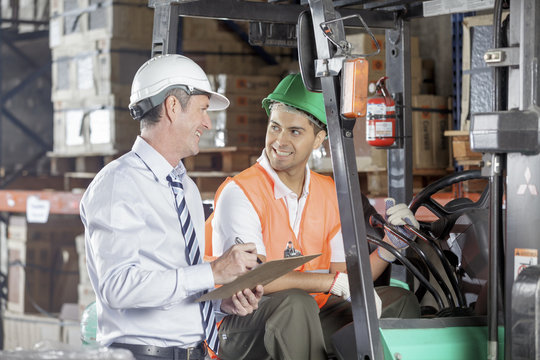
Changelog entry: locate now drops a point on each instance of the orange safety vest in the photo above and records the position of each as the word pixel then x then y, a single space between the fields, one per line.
pixel 320 220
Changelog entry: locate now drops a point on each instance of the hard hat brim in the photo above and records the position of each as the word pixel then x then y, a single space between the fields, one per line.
pixel 217 102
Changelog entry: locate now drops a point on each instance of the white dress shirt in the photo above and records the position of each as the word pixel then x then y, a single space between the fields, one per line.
pixel 234 215
pixel 135 250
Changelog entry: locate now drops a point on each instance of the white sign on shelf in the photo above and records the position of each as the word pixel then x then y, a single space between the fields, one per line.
pixel 37 210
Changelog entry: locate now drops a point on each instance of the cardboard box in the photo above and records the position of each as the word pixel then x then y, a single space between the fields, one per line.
pixel 246 102
pixel 225 160
pixel 238 84
pixel 441 121
pixel 29 276
pixel 83 128
pixel 245 138
pixel 65 276
pixel 362 43
pixel 17 227
pixel 240 63
pixel 210 29
pixel 255 121
pixel 377 64
pixel 73 22
pixel 430 147
pixel 416 67
pixel 422 133
pixel 94 68
pixel 416 86
pixel 415 46
pixel 43 264
pixel 461 146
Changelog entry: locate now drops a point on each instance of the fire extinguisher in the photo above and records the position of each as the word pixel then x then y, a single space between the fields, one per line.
pixel 381 117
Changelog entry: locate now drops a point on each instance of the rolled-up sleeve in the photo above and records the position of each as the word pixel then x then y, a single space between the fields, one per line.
pixel 235 216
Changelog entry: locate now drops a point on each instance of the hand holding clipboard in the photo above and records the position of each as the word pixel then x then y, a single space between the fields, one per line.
pixel 262 274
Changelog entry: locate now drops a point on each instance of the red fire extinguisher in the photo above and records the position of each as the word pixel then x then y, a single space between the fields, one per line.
pixel 381 117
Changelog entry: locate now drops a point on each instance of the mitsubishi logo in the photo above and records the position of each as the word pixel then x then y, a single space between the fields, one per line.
pixel 523 187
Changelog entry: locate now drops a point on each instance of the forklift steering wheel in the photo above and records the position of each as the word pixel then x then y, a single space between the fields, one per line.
pixel 447 214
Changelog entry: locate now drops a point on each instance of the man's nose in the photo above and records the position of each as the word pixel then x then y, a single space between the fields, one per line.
pixel 282 137
pixel 207 122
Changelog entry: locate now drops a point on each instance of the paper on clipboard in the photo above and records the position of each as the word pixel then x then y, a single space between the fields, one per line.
pixel 262 274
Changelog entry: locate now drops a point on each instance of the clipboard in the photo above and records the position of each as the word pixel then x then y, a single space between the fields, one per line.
pixel 262 274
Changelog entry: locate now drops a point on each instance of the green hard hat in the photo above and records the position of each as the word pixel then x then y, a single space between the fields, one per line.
pixel 291 91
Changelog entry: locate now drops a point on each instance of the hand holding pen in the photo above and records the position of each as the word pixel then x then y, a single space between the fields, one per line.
pixel 235 261
pixel 238 240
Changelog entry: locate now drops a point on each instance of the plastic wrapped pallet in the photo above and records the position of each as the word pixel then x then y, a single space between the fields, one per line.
pixel 97 125
pixel 97 47
pixel 128 23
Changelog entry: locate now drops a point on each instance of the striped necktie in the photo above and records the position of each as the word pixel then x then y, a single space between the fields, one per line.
pixel 193 256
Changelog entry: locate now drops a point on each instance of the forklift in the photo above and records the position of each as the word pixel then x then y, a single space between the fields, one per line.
pixel 483 240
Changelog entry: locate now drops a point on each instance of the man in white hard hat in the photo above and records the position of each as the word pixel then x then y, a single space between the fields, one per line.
pixel 144 226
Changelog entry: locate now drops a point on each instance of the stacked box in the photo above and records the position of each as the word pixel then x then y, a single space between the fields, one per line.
pixel 85 292
pixel 29 10
pixel 76 21
pixel 93 126
pixel 217 48
pixel 240 84
pixel 422 135
pixel 97 48
pixel 442 121
pixel 430 146
pixel 362 43
pixel 43 263
pixel 244 122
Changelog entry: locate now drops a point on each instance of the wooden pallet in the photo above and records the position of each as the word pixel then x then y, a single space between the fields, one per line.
pixel 78 170
pixel 88 163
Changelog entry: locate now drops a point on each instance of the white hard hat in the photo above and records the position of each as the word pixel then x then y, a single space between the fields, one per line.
pixel 164 72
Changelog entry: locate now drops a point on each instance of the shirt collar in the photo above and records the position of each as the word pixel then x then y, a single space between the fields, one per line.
pixel 280 189
pixel 156 162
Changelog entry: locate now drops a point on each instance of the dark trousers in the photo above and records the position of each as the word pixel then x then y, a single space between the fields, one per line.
pixel 288 325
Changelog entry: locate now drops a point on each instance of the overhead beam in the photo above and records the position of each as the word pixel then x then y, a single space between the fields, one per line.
pixel 268 12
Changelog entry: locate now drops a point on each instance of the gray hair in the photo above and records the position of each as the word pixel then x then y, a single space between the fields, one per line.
pixel 152 116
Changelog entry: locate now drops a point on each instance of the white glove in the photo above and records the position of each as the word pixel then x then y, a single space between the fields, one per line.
pixel 340 287
pixel 397 215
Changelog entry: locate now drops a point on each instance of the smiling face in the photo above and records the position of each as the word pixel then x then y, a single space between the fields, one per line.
pixel 190 123
pixel 290 139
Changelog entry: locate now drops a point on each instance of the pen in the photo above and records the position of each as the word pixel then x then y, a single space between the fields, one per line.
pixel 237 240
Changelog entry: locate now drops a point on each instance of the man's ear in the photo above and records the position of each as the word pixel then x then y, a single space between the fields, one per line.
pixel 319 138
pixel 172 106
